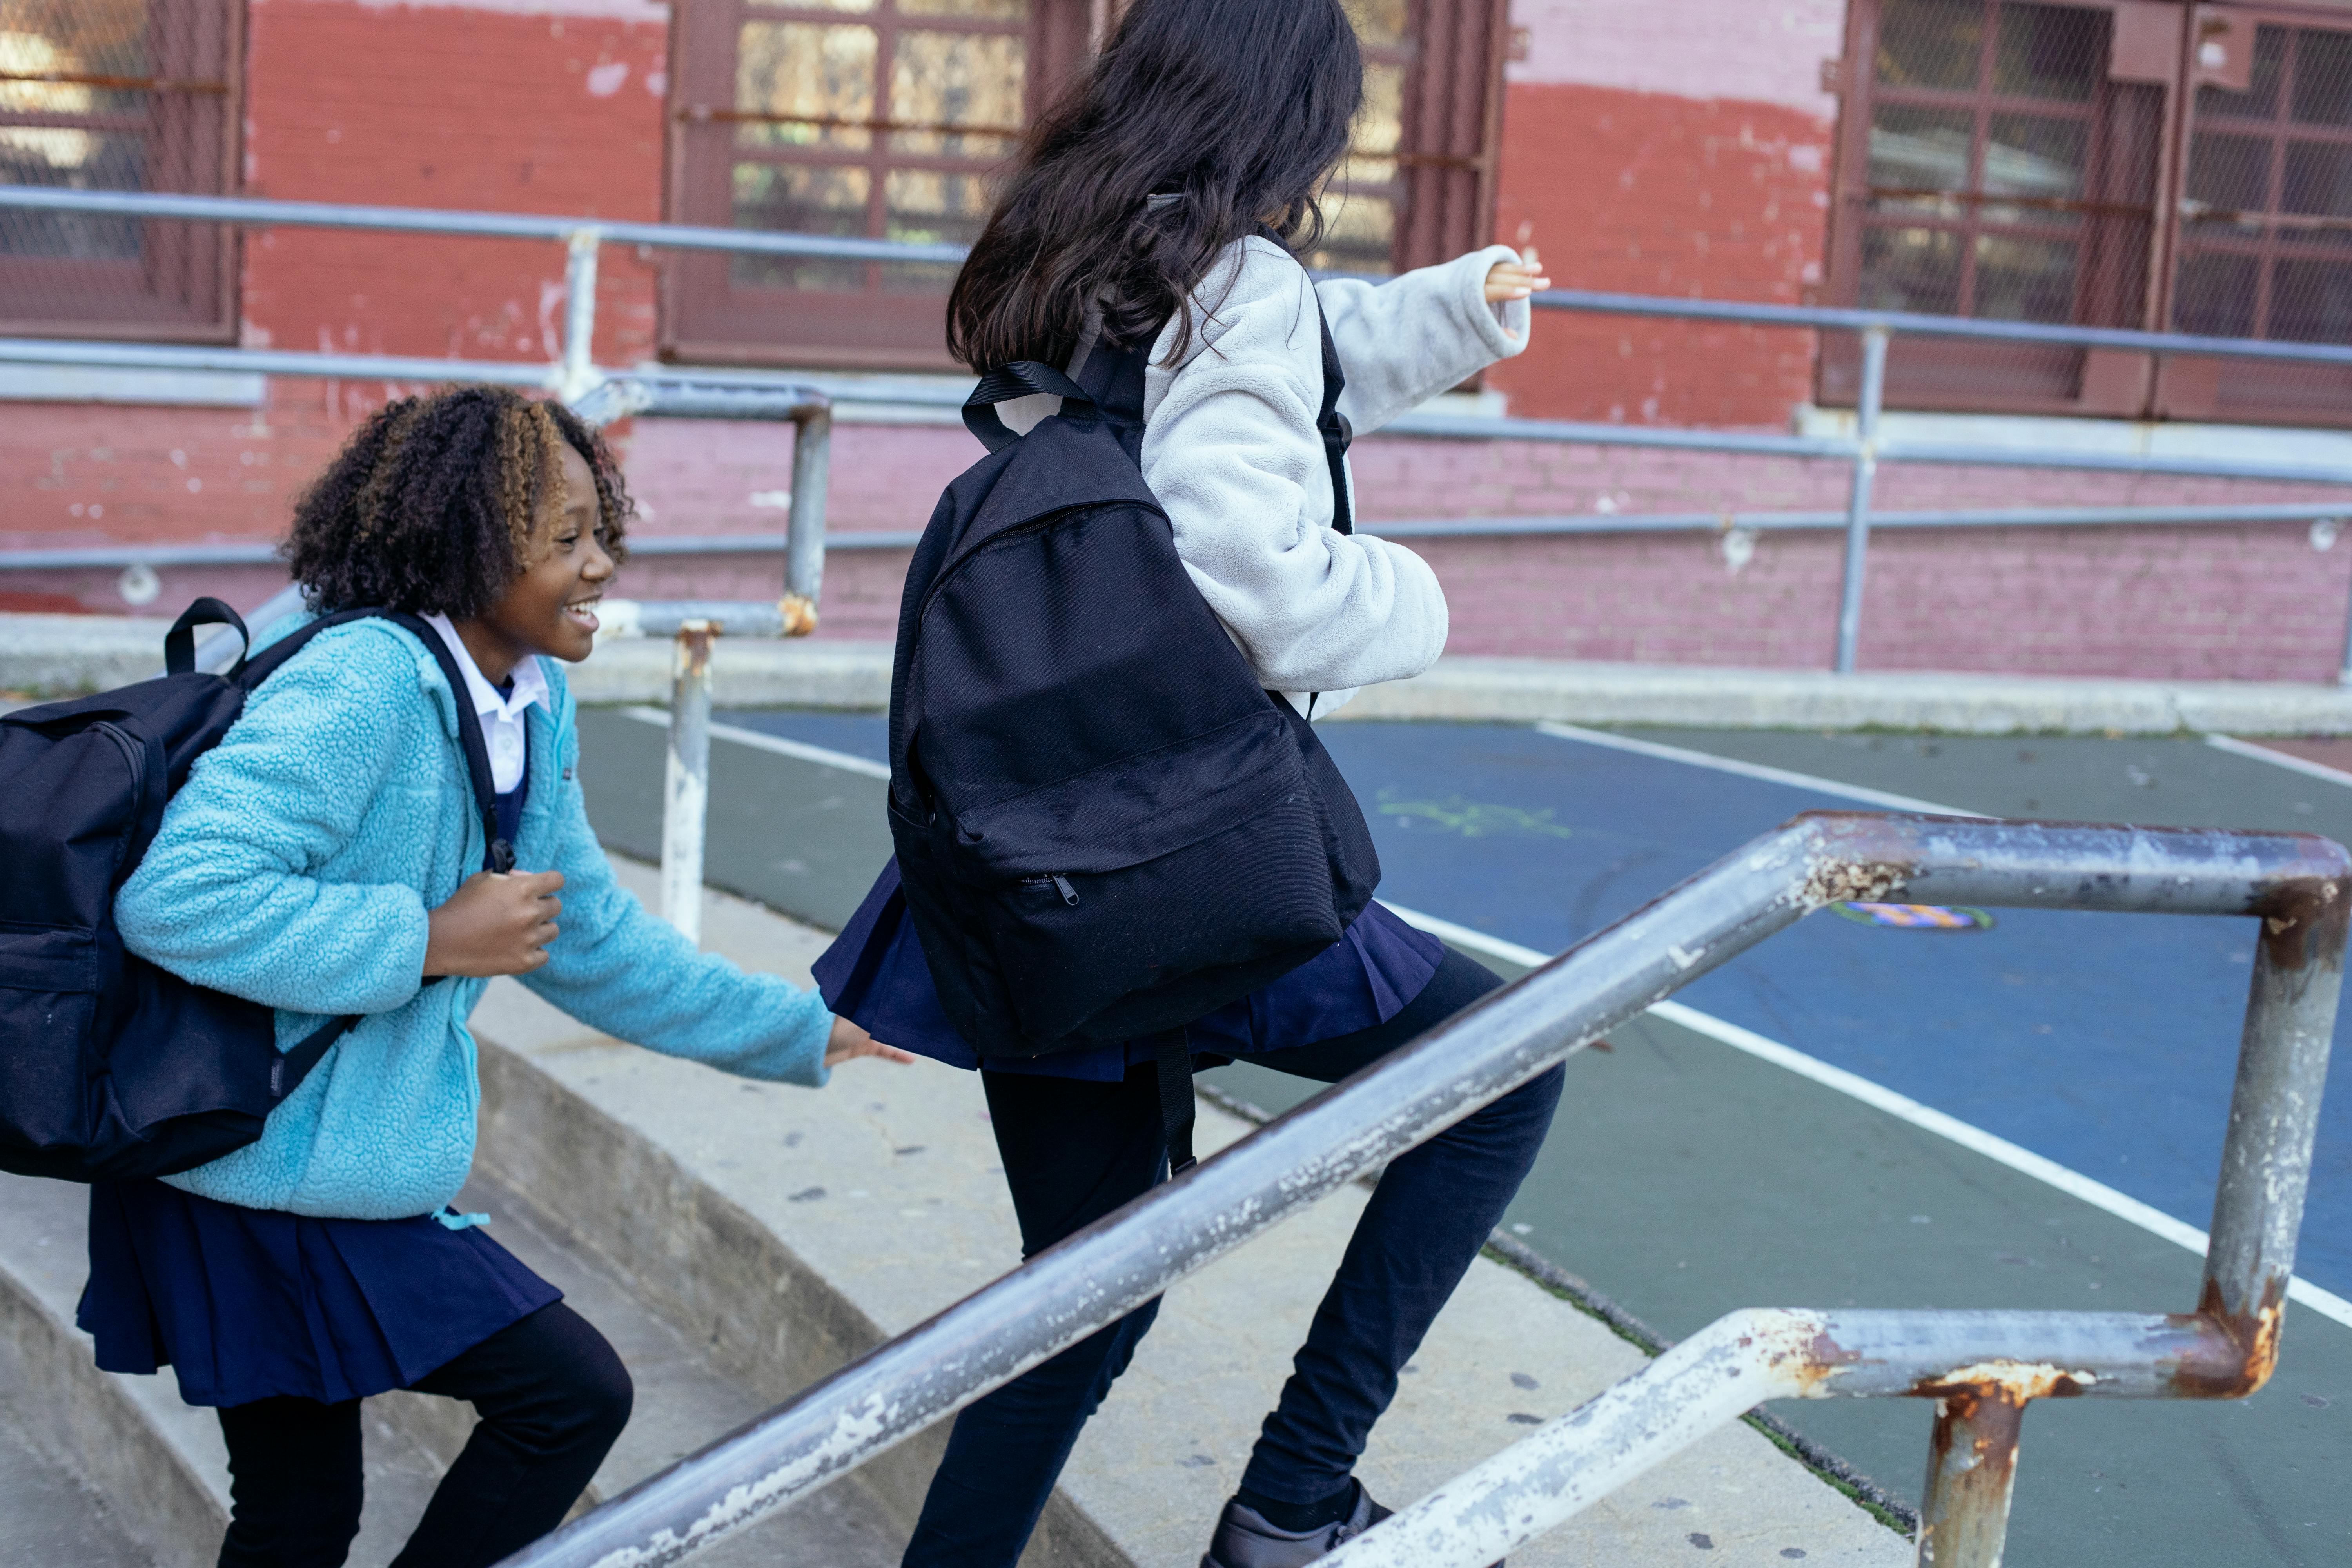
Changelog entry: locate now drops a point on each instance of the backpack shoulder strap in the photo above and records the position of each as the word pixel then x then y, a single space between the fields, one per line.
pixel 1333 424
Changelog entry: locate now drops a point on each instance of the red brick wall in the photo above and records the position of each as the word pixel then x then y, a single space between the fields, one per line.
pixel 1643 192
pixel 444 107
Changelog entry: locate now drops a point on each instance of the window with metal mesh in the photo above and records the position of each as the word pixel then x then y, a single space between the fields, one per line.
pixel 1993 165
pixel 2046 162
pixel 118 95
pixel 887 119
pixel 2266 246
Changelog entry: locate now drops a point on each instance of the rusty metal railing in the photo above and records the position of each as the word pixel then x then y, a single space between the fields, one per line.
pixel 1980 1369
pixel 694 626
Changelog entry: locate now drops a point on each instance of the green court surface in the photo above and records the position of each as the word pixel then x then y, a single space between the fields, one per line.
pixel 1685 1178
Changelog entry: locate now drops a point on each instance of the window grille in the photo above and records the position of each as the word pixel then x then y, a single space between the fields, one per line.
pixel 137 95
pixel 2042 163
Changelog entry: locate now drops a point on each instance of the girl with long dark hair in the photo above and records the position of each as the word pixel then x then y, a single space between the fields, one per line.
pixel 1160 209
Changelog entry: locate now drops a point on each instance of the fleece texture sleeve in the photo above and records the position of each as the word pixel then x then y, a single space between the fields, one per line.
pixel 616 968
pixel 1230 449
pixel 230 894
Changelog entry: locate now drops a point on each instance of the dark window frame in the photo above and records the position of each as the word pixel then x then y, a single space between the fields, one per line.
pixel 2116 227
pixel 2137 230
pixel 182 285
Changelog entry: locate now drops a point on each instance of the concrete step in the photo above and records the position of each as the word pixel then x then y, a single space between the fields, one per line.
pixel 51 1516
pixel 116 1471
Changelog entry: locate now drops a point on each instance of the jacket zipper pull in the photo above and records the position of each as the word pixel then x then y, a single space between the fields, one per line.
pixel 1061 886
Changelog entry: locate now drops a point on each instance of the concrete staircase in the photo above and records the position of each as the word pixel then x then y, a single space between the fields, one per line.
pixel 737 1241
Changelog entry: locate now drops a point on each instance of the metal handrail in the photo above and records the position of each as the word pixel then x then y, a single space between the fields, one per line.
pixel 54 558
pixel 755 394
pixel 262 212
pixel 1981 1368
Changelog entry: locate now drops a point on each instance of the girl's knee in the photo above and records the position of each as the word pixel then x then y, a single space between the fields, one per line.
pixel 606 1397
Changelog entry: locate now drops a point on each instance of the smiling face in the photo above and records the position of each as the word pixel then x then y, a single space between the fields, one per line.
pixel 549 607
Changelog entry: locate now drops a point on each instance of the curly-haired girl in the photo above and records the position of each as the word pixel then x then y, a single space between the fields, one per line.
pixel 317 862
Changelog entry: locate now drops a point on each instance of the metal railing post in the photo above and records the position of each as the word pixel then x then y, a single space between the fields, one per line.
pixel 578 372
pixel 804 540
pixel 2344 673
pixel 1857 509
pixel 2275 1121
pixel 685 780
pixel 1971 1476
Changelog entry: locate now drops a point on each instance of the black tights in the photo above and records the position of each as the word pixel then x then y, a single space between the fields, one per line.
pixel 1074 1151
pixel 552 1397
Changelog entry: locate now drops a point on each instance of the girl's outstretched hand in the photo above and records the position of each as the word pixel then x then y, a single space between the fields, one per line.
pixel 1508 280
pixel 848 1041
pixel 494 925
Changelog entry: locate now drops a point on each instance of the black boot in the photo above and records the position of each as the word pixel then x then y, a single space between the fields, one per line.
pixel 1245 1538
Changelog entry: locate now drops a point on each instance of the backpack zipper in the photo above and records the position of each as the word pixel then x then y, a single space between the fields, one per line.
pixel 1056 881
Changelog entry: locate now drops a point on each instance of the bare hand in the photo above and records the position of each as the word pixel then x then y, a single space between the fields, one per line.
pixel 494 925
pixel 1509 281
pixel 848 1041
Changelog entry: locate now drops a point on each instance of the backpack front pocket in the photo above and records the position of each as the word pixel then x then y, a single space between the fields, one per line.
pixel 48 984
pixel 1175 867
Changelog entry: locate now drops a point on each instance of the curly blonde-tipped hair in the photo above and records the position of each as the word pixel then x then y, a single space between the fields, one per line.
pixel 432 504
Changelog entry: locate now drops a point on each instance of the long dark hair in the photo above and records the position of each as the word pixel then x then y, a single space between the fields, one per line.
pixel 1238 108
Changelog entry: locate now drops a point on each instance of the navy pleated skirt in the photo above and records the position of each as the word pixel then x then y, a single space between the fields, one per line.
pixel 876 975
pixel 245 1304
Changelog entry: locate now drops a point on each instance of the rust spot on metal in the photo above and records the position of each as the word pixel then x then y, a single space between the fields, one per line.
pixel 1842 881
pixel 1972 1467
pixel 799 613
pixel 2014 1381
pixel 2304 916
pixel 2255 1336
pixel 1819 1360
pixel 694 647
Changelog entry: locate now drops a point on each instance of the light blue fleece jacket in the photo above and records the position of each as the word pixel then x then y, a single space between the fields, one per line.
pixel 297 868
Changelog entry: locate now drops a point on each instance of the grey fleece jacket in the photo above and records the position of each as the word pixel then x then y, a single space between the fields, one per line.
pixel 1230 449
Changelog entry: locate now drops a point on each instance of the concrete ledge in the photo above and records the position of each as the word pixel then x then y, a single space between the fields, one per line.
pixel 745 672
pixel 1592 693
pixel 58 655
pixel 65 655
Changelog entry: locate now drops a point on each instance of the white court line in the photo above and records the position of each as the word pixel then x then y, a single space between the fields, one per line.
pixel 2238 748
pixel 1901 1107
pixel 2000 1150
pixel 1749 770
pixel 821 755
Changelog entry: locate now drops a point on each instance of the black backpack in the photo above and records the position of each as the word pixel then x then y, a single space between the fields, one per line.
pixel 1105 827
pixel 111 1068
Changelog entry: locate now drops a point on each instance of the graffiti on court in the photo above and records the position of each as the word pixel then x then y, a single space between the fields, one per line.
pixel 1917 916
pixel 1473 818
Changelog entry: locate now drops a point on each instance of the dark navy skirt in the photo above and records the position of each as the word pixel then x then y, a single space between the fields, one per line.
pixel 875 975
pixel 248 1303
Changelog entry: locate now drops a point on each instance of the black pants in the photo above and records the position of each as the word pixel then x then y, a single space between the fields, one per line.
pixel 552 1397
pixel 1075 1150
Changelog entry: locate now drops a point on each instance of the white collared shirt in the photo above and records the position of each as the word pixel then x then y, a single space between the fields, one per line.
pixel 502 725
